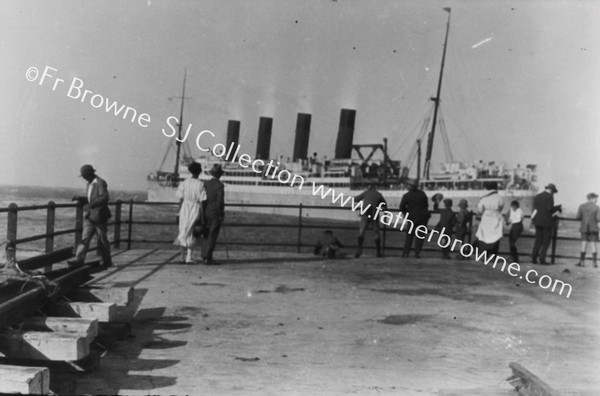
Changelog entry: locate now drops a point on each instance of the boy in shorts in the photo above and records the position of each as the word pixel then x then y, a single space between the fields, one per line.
pixel 589 215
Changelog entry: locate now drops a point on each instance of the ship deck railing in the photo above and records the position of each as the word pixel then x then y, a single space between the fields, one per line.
pixel 132 221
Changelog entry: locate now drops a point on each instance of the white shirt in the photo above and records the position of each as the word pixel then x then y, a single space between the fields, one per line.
pixel 490 227
pixel 516 216
pixel 89 188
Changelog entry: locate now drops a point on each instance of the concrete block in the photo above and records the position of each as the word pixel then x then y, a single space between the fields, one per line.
pixel 88 364
pixel 477 392
pixel 87 328
pixel 103 312
pixel 121 296
pixel 43 345
pixel 25 380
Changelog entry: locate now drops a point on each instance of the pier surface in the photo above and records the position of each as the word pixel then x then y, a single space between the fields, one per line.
pixel 279 323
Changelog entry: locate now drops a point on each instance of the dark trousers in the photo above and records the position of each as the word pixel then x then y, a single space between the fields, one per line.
pixel 461 233
pixel 490 248
pixel 446 251
pixel 89 230
pixel 208 244
pixel 409 239
pixel 515 231
pixel 543 235
pixel 364 224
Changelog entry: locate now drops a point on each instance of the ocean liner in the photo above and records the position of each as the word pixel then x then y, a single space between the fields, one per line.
pixel 350 171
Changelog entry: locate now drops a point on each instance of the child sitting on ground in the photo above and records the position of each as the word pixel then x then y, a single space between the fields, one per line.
pixel 447 222
pixel 328 245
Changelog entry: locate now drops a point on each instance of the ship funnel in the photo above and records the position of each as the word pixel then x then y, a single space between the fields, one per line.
pixel 343 144
pixel 233 133
pixel 263 144
pixel 302 136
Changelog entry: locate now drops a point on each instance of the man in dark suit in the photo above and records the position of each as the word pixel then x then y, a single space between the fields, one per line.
pixel 214 212
pixel 543 220
pixel 96 217
pixel 415 205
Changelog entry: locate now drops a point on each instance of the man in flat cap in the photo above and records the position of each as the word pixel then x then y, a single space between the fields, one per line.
pixel 96 217
pixel 589 214
pixel 415 206
pixel 543 220
pixel 214 212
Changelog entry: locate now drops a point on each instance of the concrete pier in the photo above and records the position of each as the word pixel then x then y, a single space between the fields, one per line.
pixel 293 324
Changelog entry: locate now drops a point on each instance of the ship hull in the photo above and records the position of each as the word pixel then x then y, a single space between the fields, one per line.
pixel 285 200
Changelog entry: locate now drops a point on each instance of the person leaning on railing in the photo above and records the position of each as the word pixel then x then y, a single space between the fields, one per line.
pixel 96 217
pixel 213 211
pixel 544 212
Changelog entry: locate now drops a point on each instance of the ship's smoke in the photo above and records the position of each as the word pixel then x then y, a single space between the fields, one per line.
pixel 350 86
pixel 236 101
pixel 305 91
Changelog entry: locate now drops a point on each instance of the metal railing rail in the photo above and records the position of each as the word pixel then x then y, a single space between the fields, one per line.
pixel 123 215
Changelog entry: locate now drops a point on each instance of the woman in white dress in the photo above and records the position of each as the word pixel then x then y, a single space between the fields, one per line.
pixel 191 193
pixel 489 231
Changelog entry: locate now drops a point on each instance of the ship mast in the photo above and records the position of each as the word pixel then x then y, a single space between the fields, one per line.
pixel 436 101
pixel 179 125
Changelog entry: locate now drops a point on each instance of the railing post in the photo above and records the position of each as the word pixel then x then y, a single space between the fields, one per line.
pixel 129 224
pixel 470 228
pixel 117 234
pixel 554 238
pixel 299 227
pixel 50 217
pixel 384 238
pixel 11 229
pixel 78 223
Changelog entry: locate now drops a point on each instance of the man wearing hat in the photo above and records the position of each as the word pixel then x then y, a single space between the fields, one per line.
pixel 543 220
pixel 589 214
pixel 214 212
pixel 415 206
pixel 96 217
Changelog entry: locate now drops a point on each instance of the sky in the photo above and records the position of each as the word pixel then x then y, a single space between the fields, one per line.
pixel 521 82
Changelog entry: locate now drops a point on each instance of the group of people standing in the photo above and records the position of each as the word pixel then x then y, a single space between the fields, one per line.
pixel 202 211
pixel 201 214
pixel 415 206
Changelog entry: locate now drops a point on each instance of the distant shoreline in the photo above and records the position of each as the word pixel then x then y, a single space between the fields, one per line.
pixel 45 193
pixel 67 193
